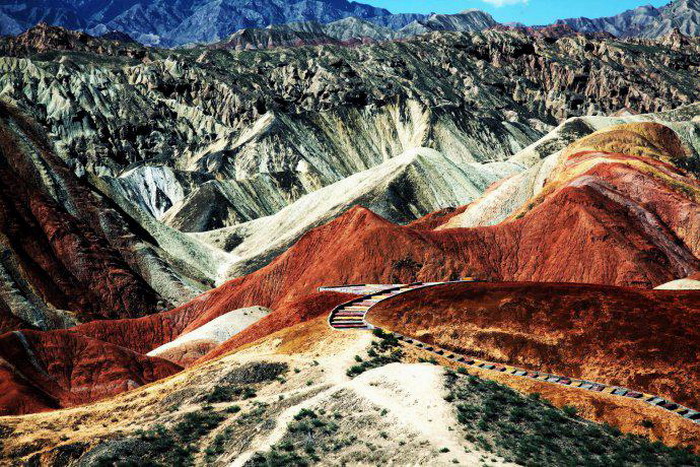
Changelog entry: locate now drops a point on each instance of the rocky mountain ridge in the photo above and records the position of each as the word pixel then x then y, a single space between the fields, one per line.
pixel 645 21
pixel 309 22
pixel 167 23
pixel 44 38
pixel 352 31
pixel 160 130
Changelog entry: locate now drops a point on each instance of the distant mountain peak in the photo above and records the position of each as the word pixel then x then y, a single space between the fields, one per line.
pixel 172 23
pixel 46 38
pixel 645 21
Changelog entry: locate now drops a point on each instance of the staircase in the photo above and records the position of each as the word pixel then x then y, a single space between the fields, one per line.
pixel 351 315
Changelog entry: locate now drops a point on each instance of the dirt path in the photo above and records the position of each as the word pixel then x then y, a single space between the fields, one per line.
pixel 410 397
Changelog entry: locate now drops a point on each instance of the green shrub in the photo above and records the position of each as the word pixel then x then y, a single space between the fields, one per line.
pixel 308 435
pixel 570 411
pixel 194 425
pixel 223 394
pixel 382 353
pixel 254 372
pixel 218 446
pixel 305 413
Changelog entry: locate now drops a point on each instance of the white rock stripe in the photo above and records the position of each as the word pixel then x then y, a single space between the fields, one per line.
pixel 351 315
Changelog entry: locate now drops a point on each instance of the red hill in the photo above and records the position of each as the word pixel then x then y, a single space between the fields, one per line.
pixel 63 260
pixel 645 339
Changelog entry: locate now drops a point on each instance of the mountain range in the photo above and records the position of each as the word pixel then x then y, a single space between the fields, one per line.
pixel 645 21
pixel 348 238
pixel 353 30
pixel 615 191
pixel 158 22
pixel 198 140
pixel 155 22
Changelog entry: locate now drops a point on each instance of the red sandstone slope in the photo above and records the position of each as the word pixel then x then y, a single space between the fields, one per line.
pixel 607 218
pixel 645 339
pixel 51 369
pixel 145 334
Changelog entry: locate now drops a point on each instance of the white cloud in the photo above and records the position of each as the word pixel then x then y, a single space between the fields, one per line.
pixel 499 3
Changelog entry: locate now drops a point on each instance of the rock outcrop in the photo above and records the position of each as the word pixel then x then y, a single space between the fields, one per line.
pixel 44 38
pixel 646 21
pixel 503 199
pixel 401 190
pixel 70 255
pixel 628 23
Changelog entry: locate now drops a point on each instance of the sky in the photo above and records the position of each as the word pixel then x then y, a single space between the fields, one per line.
pixel 525 11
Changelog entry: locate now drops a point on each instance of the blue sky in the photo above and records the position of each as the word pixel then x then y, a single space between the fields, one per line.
pixel 524 11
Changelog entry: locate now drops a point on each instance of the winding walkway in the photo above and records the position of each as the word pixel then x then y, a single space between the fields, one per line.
pixel 352 315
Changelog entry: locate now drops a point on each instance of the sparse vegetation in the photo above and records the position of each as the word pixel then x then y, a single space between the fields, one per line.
pixel 239 383
pixel 229 393
pixel 218 446
pixel 255 372
pixel 233 409
pixel 308 436
pixel 386 350
pixel 195 425
pixel 254 416
pixel 532 432
pixel 163 446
